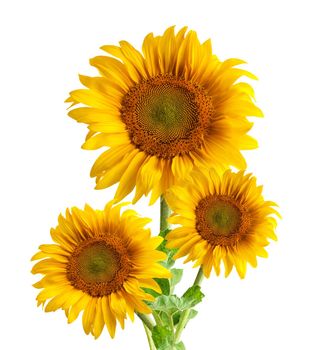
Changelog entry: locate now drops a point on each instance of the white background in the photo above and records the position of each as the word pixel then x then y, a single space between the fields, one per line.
pixel 44 45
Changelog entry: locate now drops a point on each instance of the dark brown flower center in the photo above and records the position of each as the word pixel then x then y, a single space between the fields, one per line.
pixel 99 266
pixel 221 220
pixel 166 116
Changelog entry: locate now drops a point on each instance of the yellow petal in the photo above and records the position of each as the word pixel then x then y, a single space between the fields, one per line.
pixel 117 305
pixel 98 320
pixel 113 69
pixel 113 175
pixel 110 158
pixel 128 179
pixel 78 307
pixel 108 316
pixel 88 315
pixel 103 139
pixel 90 98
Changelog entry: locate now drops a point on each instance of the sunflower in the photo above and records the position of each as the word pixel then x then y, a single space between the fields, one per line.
pixel 223 218
pixel 99 264
pixel 173 108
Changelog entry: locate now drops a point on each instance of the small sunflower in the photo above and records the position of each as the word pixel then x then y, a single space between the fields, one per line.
pixel 98 264
pixel 223 218
pixel 173 108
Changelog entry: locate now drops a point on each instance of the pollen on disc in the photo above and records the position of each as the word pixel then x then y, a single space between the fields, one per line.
pixel 99 266
pixel 222 220
pixel 166 116
pixel 98 263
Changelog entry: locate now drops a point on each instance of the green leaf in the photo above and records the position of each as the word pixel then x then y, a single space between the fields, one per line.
pixel 165 318
pixel 171 304
pixel 176 277
pixel 192 297
pixel 179 346
pixel 162 337
pixel 151 292
pixel 169 252
pixel 167 303
pixel 170 261
pixel 193 314
pixel 176 317
pixel 164 284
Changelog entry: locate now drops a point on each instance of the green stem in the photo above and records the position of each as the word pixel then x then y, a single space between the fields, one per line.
pixel 185 314
pixel 199 278
pixel 172 328
pixel 147 321
pixel 157 318
pixel 164 214
pixel 149 337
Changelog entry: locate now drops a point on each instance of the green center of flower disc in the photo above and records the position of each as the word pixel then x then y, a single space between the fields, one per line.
pixel 223 217
pixel 98 263
pixel 169 112
pixel 222 220
pixel 167 116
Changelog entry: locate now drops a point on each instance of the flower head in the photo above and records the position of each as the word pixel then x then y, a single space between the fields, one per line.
pixel 173 108
pixel 223 218
pixel 99 264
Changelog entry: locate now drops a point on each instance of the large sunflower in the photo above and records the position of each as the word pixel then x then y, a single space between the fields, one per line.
pixel 223 218
pixel 99 264
pixel 163 112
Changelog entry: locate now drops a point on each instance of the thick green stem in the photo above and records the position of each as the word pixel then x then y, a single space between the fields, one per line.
pixel 149 337
pixel 147 321
pixel 157 318
pixel 164 214
pixel 199 278
pixel 185 314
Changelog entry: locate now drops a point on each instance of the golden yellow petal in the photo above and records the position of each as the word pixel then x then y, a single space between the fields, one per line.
pixel 103 139
pixel 108 126
pixel 50 279
pixel 151 284
pixel 138 304
pixel 116 51
pixel 76 308
pixel 150 51
pixel 129 307
pixel 181 166
pixel 110 158
pixel 102 85
pixel 51 291
pixel 114 174
pixel 117 306
pixel 134 57
pixel 39 255
pixel 153 271
pixel 186 247
pixel 63 299
pixel 132 286
pixel 180 232
pixel 98 323
pixel 181 220
pixel 48 265
pixel 108 316
pixel 148 176
pixel 90 115
pixel 248 142
pixel 88 315
pixel 128 179
pixel 241 267
pixel 207 263
pixel 90 98
pixel 113 69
